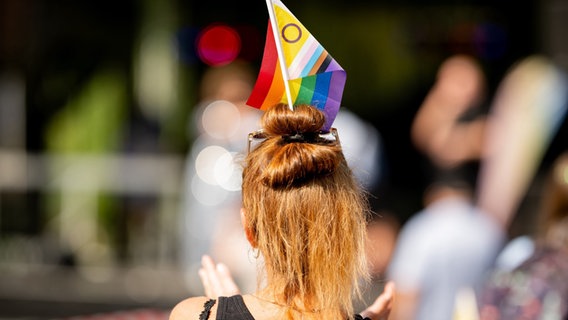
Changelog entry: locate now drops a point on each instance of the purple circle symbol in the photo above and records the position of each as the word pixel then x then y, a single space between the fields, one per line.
pixel 291 40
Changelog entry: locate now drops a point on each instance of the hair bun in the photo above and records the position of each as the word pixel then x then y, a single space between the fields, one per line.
pixel 280 120
pixel 297 153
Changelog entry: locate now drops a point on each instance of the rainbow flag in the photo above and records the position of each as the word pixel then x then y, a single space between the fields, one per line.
pixel 315 78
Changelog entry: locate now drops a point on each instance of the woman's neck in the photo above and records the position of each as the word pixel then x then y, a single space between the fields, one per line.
pixel 297 306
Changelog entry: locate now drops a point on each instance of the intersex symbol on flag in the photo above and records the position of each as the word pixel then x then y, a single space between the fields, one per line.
pixel 311 76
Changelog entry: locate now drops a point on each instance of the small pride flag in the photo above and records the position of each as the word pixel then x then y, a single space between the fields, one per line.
pixel 312 75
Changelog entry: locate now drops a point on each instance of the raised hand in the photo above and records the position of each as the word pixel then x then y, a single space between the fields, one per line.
pixel 381 308
pixel 216 279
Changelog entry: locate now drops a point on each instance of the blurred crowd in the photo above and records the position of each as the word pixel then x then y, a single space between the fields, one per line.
pixel 488 241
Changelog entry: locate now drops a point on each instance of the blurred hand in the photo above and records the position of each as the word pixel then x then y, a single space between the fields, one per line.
pixel 216 279
pixel 381 308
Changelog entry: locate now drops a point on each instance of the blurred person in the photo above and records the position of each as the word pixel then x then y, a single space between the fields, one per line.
pixel 527 111
pixel 449 255
pixel 526 114
pixel 439 250
pixel 538 287
pixel 449 125
pixel 443 249
pixel 211 197
pixel 305 214
pixel 529 106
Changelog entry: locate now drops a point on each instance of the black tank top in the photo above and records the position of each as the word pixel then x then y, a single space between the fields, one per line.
pixel 234 308
pixel 229 308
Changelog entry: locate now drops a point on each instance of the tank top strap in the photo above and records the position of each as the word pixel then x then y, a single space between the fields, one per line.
pixel 233 308
pixel 204 315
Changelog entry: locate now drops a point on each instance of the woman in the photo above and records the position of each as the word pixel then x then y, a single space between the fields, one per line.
pixel 306 215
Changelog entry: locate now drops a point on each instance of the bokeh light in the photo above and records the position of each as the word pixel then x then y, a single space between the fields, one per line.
pixel 228 173
pixel 221 119
pixel 218 45
pixel 205 163
pixel 216 166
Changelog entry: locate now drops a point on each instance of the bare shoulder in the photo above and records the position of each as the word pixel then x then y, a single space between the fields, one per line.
pixel 188 309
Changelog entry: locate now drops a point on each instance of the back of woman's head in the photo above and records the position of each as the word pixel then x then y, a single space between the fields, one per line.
pixel 306 211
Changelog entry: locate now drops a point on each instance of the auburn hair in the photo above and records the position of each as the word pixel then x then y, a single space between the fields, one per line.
pixel 307 214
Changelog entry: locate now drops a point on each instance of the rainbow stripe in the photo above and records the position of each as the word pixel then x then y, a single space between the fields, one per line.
pixel 315 78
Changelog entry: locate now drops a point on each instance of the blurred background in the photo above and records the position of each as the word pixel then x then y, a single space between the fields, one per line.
pixel 117 132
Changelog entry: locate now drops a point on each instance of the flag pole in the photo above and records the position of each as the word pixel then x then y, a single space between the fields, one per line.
pixel 280 52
